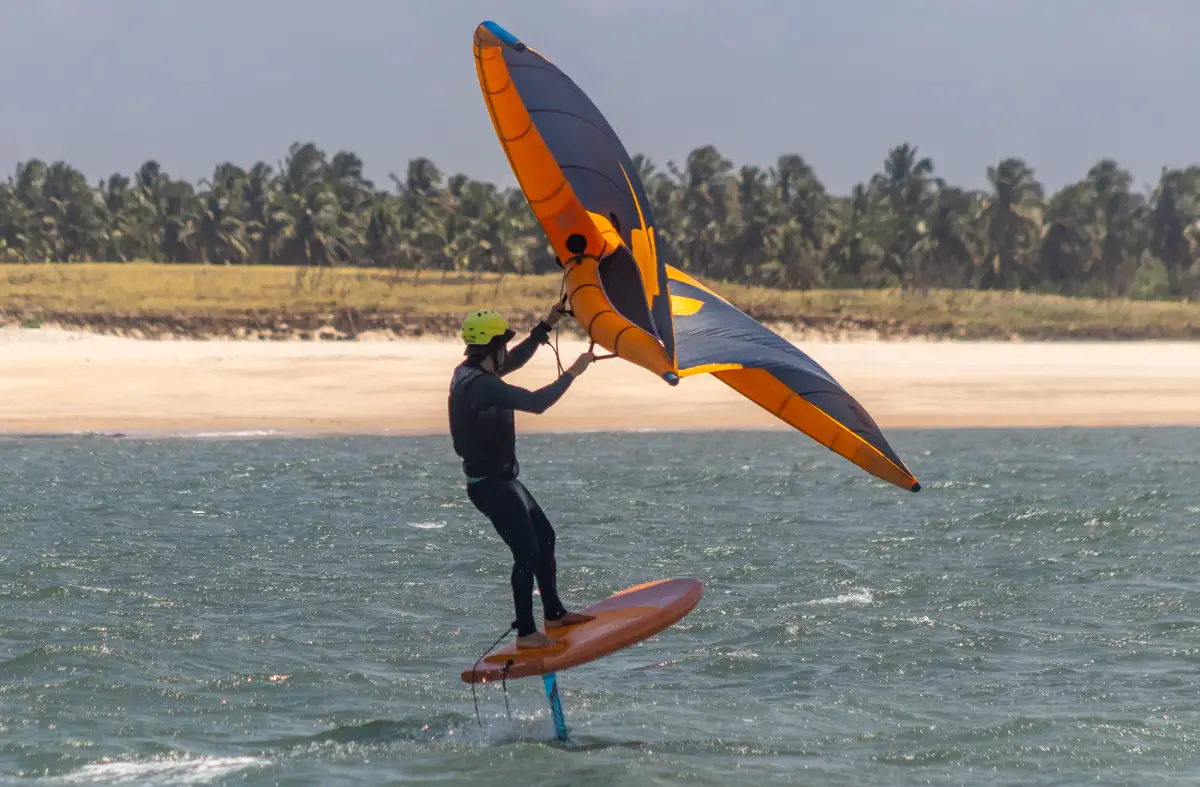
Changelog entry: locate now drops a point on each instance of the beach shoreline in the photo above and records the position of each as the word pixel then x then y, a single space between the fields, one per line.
pixel 55 382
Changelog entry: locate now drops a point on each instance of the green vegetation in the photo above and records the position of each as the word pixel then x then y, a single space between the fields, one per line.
pixel 315 246
pixel 155 299
pixel 157 288
pixel 774 227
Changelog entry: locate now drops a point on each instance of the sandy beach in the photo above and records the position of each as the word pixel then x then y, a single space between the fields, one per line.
pixel 54 381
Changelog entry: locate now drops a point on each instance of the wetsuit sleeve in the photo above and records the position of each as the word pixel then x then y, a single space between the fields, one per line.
pixel 519 355
pixel 490 391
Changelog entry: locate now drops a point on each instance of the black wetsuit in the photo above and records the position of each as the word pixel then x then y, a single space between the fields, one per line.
pixel 481 427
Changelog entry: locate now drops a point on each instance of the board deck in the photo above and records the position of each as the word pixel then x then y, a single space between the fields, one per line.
pixel 623 619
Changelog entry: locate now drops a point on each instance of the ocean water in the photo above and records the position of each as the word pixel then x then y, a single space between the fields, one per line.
pixel 297 612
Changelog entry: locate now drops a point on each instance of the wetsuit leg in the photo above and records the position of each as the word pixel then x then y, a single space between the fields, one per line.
pixel 546 569
pixel 502 503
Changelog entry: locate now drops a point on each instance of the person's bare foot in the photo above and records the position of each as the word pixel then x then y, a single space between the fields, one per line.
pixel 569 619
pixel 535 640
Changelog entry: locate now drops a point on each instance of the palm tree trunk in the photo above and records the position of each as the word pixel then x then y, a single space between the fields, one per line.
pixel 1174 287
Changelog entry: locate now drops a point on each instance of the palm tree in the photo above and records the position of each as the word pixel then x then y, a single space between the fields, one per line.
pixel 769 224
pixel 383 240
pixel 1010 215
pixel 265 218
pixel 856 252
pixel 755 220
pixel 1066 251
pixel 30 232
pixel 1116 215
pixel 218 234
pixel 946 252
pixel 703 207
pixel 907 186
pixel 14 223
pixel 125 217
pixel 311 235
pixel 1173 223
pixel 423 179
pixel 303 170
pixel 802 198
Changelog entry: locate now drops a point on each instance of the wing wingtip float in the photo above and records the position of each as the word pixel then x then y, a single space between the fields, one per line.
pixel 586 193
pixel 502 36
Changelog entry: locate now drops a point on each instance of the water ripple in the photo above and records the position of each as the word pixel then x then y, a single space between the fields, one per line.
pixel 297 612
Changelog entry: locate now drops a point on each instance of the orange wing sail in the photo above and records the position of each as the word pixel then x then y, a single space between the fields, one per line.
pixel 715 337
pixel 585 191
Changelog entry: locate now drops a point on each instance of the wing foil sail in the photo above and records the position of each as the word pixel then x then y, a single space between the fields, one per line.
pixel 582 186
pixel 585 191
pixel 714 337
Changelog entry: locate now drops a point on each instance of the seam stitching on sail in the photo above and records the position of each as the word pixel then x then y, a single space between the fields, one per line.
pixel 607 133
pixel 617 339
pixel 615 185
pixel 597 316
pixel 523 134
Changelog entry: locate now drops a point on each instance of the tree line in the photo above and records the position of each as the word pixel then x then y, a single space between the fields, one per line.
pixel 775 226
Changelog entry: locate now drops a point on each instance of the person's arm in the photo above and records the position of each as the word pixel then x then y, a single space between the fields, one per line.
pixel 491 391
pixel 519 355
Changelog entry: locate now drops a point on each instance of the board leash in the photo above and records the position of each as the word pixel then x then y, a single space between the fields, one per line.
pixel 504 685
pixel 503 679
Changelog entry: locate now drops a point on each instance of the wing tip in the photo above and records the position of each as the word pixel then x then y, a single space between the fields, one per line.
pixel 502 36
pixel 916 486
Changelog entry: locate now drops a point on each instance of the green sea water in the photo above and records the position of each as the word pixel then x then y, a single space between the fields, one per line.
pixel 297 612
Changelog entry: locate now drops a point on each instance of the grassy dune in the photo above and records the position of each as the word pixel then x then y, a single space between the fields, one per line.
pixel 147 299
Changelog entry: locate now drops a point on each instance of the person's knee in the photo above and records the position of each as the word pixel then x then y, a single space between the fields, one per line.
pixel 522 578
pixel 526 560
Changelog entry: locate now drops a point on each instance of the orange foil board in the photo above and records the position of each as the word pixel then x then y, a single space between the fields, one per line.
pixel 623 619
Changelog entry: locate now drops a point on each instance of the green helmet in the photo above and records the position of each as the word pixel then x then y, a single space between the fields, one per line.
pixel 483 327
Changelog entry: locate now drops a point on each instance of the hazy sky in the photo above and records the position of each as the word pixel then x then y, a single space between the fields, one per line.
pixel 107 84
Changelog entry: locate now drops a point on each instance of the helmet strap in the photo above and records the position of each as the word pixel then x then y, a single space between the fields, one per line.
pixel 494 353
pixel 476 354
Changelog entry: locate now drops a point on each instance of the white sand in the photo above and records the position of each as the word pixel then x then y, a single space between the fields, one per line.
pixel 59 381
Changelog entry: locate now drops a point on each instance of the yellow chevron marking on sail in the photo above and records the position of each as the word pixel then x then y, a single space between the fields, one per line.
pixel 643 246
pixel 709 368
pixel 685 307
